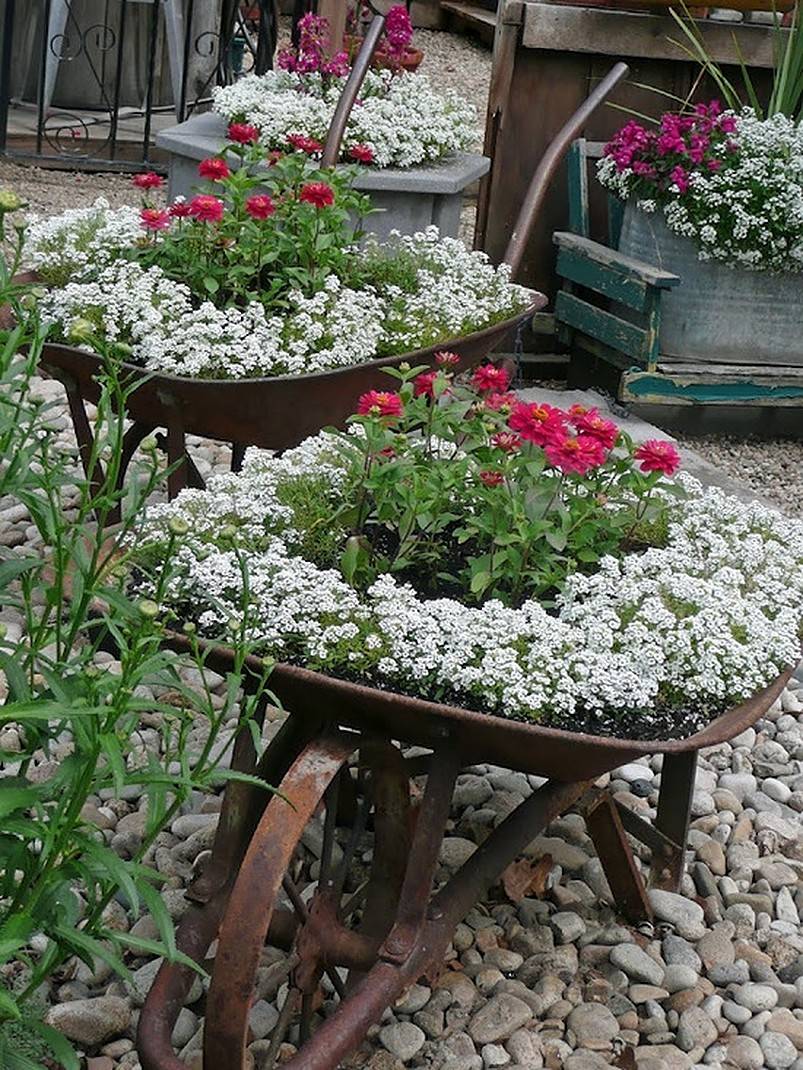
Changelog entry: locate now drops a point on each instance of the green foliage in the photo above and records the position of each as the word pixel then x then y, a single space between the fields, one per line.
pixel 446 495
pixel 312 500
pixel 243 258
pixel 74 714
pixel 786 91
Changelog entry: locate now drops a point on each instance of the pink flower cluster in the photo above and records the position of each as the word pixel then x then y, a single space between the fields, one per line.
pixel 310 56
pixel 665 160
pixel 398 32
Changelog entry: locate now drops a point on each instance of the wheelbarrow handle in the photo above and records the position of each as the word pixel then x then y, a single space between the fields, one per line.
pixel 362 61
pixel 550 162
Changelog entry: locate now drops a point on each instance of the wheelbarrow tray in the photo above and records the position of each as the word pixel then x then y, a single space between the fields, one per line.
pixel 276 412
pixel 527 747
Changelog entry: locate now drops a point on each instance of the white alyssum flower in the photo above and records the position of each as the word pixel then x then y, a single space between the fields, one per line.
pixel 709 618
pixel 456 291
pixel 747 214
pixel 81 241
pixel 401 118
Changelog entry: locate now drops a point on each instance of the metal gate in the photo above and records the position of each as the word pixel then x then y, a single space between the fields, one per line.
pixel 88 83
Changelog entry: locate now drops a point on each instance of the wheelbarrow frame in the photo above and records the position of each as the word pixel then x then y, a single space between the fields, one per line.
pixel 330 719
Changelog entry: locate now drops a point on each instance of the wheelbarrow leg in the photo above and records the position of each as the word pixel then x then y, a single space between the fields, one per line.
pixel 672 819
pixel 613 849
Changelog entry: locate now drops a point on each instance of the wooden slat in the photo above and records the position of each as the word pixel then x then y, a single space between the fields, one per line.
pixel 577 164
pixel 708 389
pixel 602 279
pixel 604 326
pixel 625 266
pixel 626 34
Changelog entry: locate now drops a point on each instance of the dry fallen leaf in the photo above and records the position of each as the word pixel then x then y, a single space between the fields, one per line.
pixel 523 878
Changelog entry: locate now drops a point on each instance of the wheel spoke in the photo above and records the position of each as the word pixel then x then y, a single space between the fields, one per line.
pixel 282 1025
pixel 304 1028
pixel 329 825
pixel 358 828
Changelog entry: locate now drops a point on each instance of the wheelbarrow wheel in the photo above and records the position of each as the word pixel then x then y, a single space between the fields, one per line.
pixel 320 881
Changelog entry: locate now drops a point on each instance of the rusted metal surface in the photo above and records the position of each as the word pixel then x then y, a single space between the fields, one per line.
pixel 607 830
pixel 551 160
pixel 672 818
pixel 359 69
pixel 273 413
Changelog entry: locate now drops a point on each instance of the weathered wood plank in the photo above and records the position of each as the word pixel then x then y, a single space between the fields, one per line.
pixel 625 266
pixel 602 279
pixel 660 389
pixel 604 326
pixel 772 374
pixel 624 34
pixel 577 164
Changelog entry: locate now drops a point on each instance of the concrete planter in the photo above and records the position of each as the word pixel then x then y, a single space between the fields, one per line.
pixel 718 313
pixel 410 199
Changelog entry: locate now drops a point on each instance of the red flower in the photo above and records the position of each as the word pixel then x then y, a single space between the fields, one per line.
pixel 304 143
pixel 445 359
pixel 487 377
pixel 425 384
pixel 214 169
pixel 490 478
pixel 536 422
pixel 380 403
pixel 506 440
pixel 179 210
pixel 273 157
pixel 388 453
pixel 575 453
pixel 658 456
pixel 317 193
pixel 499 402
pixel 148 180
pixel 155 219
pixel 260 206
pixel 589 422
pixel 362 153
pixel 206 209
pixel 243 133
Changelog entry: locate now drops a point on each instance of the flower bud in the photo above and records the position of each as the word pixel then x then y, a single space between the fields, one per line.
pixel 148 445
pixel 81 330
pixel 189 628
pixel 122 350
pixel 148 608
pixel 228 532
pixel 177 525
pixel 9 201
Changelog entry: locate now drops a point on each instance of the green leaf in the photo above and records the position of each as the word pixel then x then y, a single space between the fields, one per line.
pixel 556 539
pixel 479 581
pixel 161 916
pixel 44 710
pixel 110 745
pixel 12 799
pixel 87 948
pixel 151 947
pixel 57 1043
pixel 9 1007
pixel 211 285
pixel 14 934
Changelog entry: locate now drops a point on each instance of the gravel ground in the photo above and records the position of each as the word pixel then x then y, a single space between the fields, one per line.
pixel 772 468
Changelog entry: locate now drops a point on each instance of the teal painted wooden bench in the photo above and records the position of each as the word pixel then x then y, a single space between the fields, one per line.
pixel 609 307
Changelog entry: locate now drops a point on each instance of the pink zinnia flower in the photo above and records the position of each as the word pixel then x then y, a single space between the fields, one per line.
pixel 317 193
pixel 506 440
pixel 445 359
pixel 380 403
pixel 499 402
pixel 148 180
pixel 362 153
pixel 425 384
pixel 179 210
pixel 491 478
pixel 575 453
pixel 206 209
pixel 304 143
pixel 536 422
pixel 487 377
pixel 155 219
pixel 214 169
pixel 591 423
pixel 679 177
pixel 657 455
pixel 260 206
pixel 243 133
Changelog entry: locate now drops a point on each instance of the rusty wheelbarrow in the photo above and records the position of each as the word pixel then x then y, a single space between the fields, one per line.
pixel 280 411
pixel 358 929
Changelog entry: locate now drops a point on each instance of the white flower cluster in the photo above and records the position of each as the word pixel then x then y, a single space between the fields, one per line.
pixel 456 292
pixel 750 212
pixel 709 618
pixel 80 241
pixel 401 118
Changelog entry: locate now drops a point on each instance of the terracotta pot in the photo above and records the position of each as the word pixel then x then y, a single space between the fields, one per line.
pixel 410 61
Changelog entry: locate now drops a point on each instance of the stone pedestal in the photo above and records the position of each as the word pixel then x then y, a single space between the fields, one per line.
pixel 409 199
